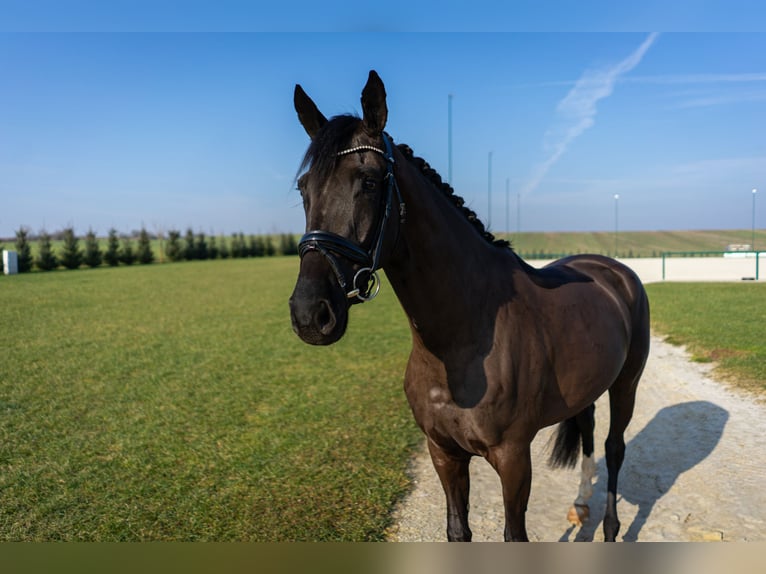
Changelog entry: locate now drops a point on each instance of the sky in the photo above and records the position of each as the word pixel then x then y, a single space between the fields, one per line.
pixel 173 120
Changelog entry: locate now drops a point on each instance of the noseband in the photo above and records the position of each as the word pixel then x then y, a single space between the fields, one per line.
pixel 331 245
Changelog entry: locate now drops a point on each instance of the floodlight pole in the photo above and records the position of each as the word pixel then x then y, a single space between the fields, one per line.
pixel 449 140
pixel 507 205
pixel 489 191
pixel 616 220
pixel 752 239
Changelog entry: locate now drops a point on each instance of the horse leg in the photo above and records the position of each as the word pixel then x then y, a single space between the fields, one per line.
pixel 513 462
pixel 580 511
pixel 453 473
pixel 622 398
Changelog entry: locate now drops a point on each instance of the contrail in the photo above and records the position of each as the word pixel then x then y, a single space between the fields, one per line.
pixel 577 111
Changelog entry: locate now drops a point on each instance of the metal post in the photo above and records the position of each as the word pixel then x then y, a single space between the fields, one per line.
pixel 752 239
pixel 449 140
pixel 507 205
pixel 489 191
pixel 616 220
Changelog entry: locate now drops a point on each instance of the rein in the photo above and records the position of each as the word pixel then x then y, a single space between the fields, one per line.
pixel 331 245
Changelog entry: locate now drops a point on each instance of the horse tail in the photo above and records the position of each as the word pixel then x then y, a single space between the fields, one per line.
pixel 566 447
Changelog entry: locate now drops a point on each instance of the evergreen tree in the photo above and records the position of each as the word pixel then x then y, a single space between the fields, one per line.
pixel 112 255
pixel 144 253
pixel 127 255
pixel 245 245
pixel 237 246
pixel 212 248
pixel 254 247
pixel 288 245
pixel 24 250
pixel 173 248
pixel 223 249
pixel 200 246
pixel 46 259
pixel 71 254
pixel 190 246
pixel 268 246
pixel 93 256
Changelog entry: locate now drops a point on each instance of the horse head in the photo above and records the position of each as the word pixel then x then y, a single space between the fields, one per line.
pixel 348 189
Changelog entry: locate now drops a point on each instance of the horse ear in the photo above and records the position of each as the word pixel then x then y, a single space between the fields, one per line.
pixel 374 105
pixel 309 115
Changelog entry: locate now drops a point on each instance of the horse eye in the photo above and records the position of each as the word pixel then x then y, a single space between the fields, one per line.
pixel 369 184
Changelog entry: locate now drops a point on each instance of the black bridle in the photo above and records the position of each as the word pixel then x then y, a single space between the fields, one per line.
pixel 331 244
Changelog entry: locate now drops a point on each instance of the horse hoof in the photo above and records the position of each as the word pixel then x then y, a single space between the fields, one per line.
pixel 578 514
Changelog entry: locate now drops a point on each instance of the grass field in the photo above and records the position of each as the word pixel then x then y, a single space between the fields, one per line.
pixel 631 243
pixel 173 402
pixel 721 322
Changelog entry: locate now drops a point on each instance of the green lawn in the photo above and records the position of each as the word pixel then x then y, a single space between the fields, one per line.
pixel 631 243
pixel 173 402
pixel 721 322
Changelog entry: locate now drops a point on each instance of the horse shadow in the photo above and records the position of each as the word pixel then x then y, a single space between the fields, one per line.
pixel 677 439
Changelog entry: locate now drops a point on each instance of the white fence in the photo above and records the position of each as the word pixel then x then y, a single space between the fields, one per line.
pixel 677 268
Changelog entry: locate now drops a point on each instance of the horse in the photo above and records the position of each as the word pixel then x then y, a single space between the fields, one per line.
pixel 500 349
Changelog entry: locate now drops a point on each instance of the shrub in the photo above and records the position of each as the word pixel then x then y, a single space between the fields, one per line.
pixel 223 249
pixel 112 255
pixel 71 254
pixel 212 249
pixel 190 246
pixel 288 245
pixel 93 256
pixel 173 248
pixel 127 255
pixel 46 259
pixel 24 250
pixel 238 247
pixel 200 246
pixel 144 254
pixel 268 246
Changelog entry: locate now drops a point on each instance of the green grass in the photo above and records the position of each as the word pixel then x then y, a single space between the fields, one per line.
pixel 721 322
pixel 173 402
pixel 631 243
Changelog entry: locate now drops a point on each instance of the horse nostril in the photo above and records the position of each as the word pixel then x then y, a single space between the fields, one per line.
pixel 325 318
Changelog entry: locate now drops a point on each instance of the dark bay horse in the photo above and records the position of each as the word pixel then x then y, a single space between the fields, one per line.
pixel 499 349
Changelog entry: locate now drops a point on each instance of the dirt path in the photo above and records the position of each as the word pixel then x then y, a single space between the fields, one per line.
pixel 695 469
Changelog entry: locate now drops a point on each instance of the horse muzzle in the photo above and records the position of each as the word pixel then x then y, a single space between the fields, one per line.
pixel 318 308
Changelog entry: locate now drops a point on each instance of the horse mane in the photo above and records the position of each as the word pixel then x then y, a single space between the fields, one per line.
pixel 433 176
pixel 335 136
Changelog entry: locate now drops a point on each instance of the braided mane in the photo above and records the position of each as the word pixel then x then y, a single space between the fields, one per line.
pixel 433 176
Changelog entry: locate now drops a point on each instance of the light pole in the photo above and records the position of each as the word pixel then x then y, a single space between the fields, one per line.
pixel 752 238
pixel 449 139
pixel 507 205
pixel 616 220
pixel 489 191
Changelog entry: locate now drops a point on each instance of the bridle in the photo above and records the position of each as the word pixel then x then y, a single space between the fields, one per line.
pixel 331 245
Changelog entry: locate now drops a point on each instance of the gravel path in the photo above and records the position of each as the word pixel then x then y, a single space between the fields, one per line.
pixel 694 470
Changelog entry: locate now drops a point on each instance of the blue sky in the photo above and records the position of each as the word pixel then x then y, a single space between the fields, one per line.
pixel 175 130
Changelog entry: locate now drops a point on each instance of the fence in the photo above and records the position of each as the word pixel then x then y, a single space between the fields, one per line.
pixel 718 265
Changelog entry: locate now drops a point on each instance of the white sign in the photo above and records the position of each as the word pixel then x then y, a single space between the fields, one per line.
pixel 10 262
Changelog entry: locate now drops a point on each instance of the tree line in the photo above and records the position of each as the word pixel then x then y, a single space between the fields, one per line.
pixel 137 248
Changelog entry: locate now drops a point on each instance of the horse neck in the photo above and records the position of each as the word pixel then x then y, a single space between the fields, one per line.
pixel 444 272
